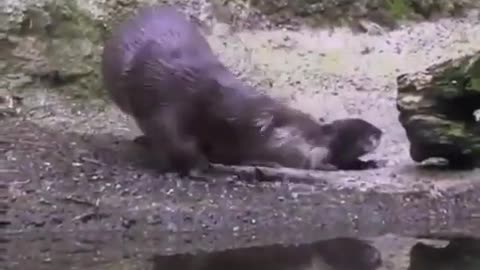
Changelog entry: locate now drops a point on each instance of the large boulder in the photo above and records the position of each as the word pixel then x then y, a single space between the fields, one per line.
pixel 58 43
pixel 439 111
pixel 50 41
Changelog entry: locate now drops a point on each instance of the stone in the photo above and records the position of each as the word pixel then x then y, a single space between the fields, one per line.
pixel 437 110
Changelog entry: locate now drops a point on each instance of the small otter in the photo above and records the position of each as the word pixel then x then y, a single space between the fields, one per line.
pixel 192 110
pixel 351 139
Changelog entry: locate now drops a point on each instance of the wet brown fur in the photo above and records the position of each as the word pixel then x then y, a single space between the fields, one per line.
pixel 192 110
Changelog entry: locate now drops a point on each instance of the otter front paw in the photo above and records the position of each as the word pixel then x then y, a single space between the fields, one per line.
pixel 362 165
pixel 369 164
pixel 187 158
pixel 326 167
pixel 192 166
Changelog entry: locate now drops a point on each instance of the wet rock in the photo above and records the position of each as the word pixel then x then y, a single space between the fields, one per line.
pixel 51 41
pixel 58 42
pixel 437 110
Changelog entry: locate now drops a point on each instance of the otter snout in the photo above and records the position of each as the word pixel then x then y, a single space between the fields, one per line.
pixel 372 143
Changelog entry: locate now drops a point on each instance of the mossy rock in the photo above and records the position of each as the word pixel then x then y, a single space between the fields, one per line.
pixel 58 43
pixel 437 109
pixel 54 41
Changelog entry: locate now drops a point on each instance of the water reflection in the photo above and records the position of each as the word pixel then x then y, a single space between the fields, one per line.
pixel 459 254
pixel 106 251
pixel 333 254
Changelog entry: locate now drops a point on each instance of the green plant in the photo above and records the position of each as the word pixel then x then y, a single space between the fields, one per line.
pixel 398 8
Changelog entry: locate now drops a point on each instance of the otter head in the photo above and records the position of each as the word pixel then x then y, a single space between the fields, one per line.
pixel 352 138
pixel 369 140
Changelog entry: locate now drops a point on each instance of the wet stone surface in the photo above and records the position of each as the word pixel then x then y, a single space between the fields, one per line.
pixel 160 250
pixel 63 182
pixel 89 201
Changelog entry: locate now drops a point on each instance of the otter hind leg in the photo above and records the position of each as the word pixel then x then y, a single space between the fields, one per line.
pixel 171 147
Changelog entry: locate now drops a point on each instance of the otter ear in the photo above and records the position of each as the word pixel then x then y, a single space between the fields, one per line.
pixel 321 119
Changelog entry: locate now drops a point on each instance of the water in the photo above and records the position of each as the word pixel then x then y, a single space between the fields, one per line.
pixel 137 249
pixel 115 250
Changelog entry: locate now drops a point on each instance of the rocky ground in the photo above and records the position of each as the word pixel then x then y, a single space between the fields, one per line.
pixel 71 165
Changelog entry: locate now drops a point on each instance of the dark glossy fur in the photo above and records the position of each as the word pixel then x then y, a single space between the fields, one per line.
pixel 353 138
pixel 192 110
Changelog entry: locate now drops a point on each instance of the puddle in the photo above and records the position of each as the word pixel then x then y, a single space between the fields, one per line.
pixel 340 254
pixel 113 250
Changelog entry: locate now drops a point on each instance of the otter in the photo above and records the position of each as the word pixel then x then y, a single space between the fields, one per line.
pixel 193 111
pixel 350 139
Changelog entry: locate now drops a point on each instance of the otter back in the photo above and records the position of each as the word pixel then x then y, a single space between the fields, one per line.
pixel 177 36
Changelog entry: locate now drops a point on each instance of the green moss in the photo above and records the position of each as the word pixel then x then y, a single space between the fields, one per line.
pixel 456 130
pixel 474 72
pixel 456 77
pixel 399 9
pixel 72 37
pixel 69 21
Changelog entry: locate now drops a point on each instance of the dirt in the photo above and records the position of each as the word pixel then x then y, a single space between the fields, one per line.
pixel 75 177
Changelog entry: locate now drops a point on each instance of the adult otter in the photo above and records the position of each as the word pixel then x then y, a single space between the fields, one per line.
pixel 159 69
